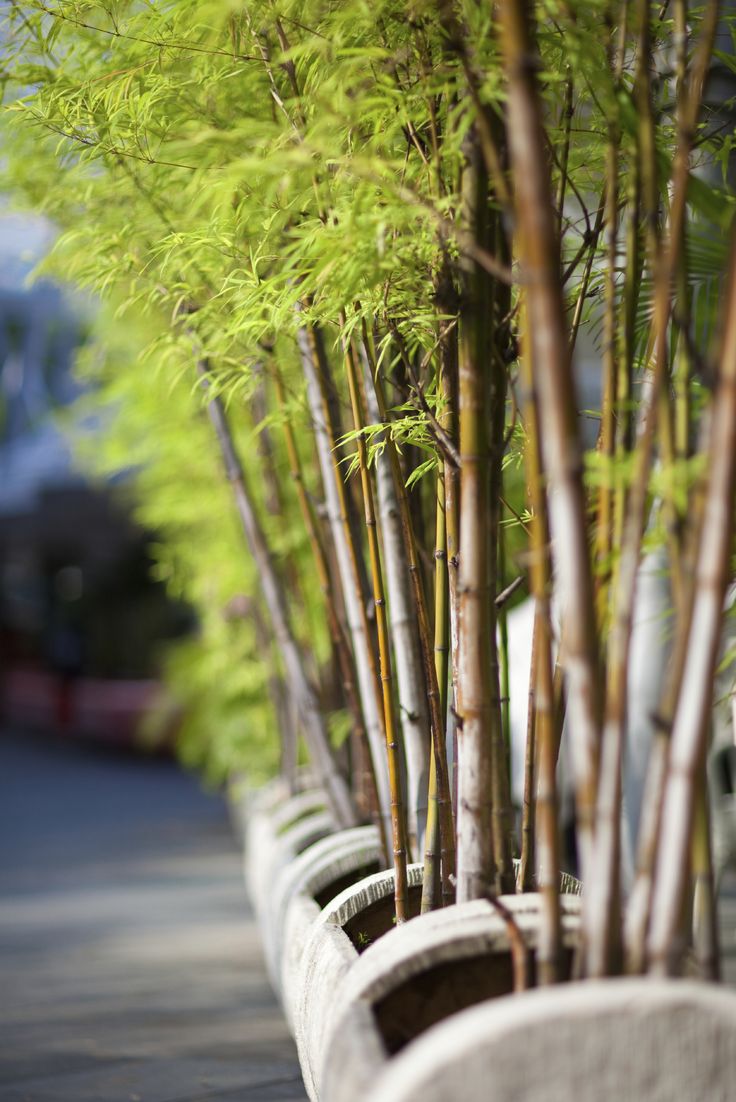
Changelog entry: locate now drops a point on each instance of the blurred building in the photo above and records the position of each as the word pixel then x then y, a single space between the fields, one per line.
pixel 82 622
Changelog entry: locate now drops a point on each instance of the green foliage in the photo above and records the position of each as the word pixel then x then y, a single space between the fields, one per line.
pixel 214 166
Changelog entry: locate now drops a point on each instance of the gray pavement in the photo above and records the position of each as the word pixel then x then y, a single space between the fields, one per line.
pixel 130 969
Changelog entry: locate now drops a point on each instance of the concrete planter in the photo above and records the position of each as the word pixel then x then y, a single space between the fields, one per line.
pixel 245 802
pixel 355 918
pixel 602 1041
pixel 276 835
pixel 417 1013
pixel 304 887
pixel 420 974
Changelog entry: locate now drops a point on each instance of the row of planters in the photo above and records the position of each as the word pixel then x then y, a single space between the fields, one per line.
pixel 420 1010
pixel 358 258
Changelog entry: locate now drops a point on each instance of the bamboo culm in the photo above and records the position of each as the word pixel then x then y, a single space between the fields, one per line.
pixel 355 609
pixel 326 582
pixel 393 747
pixel 447 837
pixel 315 730
pixel 539 250
pixel 410 681
pixel 478 698
pixel 690 726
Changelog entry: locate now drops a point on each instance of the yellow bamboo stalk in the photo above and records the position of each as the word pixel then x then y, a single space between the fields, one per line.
pixel 431 881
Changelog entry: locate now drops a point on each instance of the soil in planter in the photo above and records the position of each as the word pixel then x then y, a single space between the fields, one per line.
pixel 433 995
pixel 378 918
pixel 340 883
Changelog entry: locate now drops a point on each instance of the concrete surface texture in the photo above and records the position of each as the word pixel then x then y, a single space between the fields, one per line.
pixel 130 962
pixel 604 1041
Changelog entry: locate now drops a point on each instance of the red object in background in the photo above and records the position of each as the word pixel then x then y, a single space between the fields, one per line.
pixel 102 710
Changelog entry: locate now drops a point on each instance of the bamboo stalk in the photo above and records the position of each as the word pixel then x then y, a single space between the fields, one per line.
pixel 503 815
pixel 476 871
pixel 367 786
pixel 480 840
pixel 567 116
pixel 603 900
pixel 393 748
pixel 602 889
pixel 447 839
pixel 625 377
pixel 528 807
pixel 546 742
pixel 447 304
pixel 606 438
pixel 325 434
pixel 412 695
pixel 638 909
pixel 431 881
pixel 705 904
pixel 561 452
pixel 336 789
pixel 691 718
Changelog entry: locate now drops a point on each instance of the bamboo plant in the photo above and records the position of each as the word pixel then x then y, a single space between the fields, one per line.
pixel 378 246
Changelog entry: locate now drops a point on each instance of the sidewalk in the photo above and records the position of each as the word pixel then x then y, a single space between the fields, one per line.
pixel 130 964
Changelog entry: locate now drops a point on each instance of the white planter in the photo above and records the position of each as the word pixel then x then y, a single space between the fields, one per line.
pixel 274 837
pixel 305 887
pixel 332 948
pixel 421 973
pixel 636 1040
pixel 244 802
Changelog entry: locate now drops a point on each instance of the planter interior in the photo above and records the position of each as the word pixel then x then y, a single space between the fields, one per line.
pixel 602 1041
pixel 422 973
pixel 305 886
pixel 435 991
pixel 357 917
pixel 377 918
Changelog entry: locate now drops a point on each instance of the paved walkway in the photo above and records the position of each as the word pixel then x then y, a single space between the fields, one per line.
pixel 129 962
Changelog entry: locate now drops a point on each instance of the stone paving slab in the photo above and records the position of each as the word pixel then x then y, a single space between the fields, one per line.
pixel 131 967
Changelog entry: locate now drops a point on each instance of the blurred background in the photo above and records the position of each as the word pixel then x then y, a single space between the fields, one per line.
pixel 82 620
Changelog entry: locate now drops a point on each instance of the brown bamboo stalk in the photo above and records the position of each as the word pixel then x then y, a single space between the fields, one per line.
pixel 326 433
pixel 706 945
pixel 457 43
pixel 602 890
pixel 336 789
pixel 366 785
pixel 393 747
pixel 539 251
pixel 682 365
pixel 691 718
pixel 546 834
